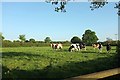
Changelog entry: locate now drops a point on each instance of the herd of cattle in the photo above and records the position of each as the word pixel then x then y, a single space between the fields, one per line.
pixel 80 46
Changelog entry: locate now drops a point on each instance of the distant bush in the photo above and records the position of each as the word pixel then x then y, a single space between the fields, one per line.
pixel 112 43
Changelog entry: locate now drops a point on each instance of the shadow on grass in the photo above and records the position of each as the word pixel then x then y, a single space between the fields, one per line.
pixel 58 72
pixel 29 55
pixel 81 51
pixel 89 51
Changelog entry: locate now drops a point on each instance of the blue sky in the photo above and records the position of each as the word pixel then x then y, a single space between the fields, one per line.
pixel 38 20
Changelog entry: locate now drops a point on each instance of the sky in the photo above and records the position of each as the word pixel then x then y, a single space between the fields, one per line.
pixel 38 20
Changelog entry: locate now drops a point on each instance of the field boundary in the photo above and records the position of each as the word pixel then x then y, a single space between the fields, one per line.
pixel 97 75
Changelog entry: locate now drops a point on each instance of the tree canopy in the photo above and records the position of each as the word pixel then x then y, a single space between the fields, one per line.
pixel 32 40
pixel 75 39
pixel 89 37
pixel 47 39
pixel 22 38
pixel 1 36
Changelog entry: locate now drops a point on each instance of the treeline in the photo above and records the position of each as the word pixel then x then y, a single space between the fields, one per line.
pixel 7 43
pixel 89 37
pixel 112 43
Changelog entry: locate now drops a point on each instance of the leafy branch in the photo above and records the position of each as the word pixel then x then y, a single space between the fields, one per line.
pixel 118 7
pixel 95 4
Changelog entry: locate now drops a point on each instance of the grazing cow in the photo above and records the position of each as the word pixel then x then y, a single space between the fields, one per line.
pixel 108 47
pixel 71 48
pixel 53 46
pixel 77 47
pixel 56 46
pixel 74 47
pixel 98 46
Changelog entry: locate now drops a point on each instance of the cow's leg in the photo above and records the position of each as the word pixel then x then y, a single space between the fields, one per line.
pixel 78 48
pixel 108 51
pixel 60 48
pixel 71 50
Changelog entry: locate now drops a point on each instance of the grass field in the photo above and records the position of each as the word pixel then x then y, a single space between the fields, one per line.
pixel 43 62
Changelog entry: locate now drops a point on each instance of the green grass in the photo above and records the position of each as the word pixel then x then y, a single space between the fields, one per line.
pixel 44 62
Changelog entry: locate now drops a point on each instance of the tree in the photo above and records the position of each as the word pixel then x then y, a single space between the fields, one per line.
pixel 89 37
pixel 75 39
pixel 47 39
pixel 32 40
pixel 26 40
pixel 7 41
pixel 1 36
pixel 22 38
pixel 95 4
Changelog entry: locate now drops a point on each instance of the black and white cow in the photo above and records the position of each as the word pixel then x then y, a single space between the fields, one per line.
pixel 77 47
pixel 74 47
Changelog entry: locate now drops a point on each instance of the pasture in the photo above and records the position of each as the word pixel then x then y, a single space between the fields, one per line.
pixel 44 62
